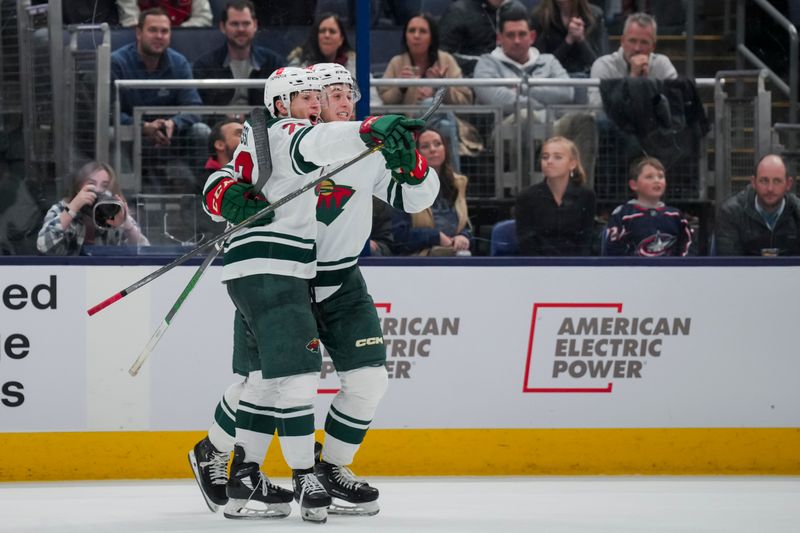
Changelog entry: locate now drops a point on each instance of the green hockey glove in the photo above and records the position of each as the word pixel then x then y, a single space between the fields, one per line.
pixel 394 132
pixel 240 202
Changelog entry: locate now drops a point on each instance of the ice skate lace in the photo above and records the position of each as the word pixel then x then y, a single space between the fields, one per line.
pixel 347 478
pixel 263 484
pixel 311 485
pixel 217 468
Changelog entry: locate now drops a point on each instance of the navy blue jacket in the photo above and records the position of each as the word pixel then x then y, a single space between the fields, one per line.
pixel 215 65
pixel 634 229
pixel 127 65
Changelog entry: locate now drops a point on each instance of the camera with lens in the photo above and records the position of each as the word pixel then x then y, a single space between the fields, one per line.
pixel 105 207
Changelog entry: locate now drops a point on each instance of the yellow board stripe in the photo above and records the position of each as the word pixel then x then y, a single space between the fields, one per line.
pixel 427 452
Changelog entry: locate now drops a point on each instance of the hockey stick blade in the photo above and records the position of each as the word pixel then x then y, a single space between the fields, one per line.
pixel 437 100
pixel 438 96
pixel 258 122
pixel 162 328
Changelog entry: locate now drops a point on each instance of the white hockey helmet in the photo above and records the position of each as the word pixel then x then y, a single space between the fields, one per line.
pixel 286 81
pixel 333 74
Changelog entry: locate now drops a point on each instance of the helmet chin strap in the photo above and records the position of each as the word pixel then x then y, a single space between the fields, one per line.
pixel 287 106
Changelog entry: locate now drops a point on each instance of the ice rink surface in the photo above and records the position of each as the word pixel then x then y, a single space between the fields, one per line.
pixel 481 504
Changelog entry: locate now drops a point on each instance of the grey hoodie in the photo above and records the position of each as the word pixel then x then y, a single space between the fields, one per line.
pixel 498 65
pixel 614 66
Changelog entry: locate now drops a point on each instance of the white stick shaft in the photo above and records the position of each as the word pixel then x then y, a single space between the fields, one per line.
pixel 149 348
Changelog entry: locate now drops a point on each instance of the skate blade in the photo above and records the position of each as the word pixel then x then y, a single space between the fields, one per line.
pixel 238 510
pixel 318 515
pixel 344 508
pixel 196 471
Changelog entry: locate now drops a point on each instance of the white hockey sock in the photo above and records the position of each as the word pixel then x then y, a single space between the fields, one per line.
pixel 223 431
pixel 352 411
pixel 294 418
pixel 255 420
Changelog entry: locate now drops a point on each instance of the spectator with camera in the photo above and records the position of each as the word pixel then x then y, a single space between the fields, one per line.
pixel 94 212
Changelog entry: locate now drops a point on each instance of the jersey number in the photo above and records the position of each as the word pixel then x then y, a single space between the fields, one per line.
pixel 244 164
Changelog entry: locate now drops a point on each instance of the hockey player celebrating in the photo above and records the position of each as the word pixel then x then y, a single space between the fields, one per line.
pixel 267 273
pixel 345 311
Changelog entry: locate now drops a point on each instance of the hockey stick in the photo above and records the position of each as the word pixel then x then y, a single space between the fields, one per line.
pixel 437 100
pixel 258 124
pixel 172 312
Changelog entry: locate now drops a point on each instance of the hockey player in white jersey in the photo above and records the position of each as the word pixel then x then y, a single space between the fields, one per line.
pixel 346 317
pixel 267 272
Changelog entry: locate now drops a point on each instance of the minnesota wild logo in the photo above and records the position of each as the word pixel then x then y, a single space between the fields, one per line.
pixel 331 199
pixel 313 345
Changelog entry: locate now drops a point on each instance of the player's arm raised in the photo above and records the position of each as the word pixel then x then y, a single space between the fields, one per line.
pixel 411 192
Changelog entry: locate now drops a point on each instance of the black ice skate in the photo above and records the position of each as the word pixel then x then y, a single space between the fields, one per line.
pixel 350 495
pixel 250 493
pixel 210 467
pixel 311 496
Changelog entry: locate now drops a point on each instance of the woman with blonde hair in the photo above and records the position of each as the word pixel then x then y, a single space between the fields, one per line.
pixel 94 212
pixel 556 217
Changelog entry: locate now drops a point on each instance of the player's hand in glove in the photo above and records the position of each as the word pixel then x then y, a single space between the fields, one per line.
pixel 394 132
pixel 396 135
pixel 240 201
pixel 416 176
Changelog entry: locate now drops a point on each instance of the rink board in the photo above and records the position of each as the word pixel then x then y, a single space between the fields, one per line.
pixel 560 369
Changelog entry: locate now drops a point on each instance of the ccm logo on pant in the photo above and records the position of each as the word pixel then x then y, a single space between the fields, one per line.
pixel 371 341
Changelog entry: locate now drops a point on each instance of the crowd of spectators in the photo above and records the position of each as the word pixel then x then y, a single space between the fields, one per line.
pixel 558 39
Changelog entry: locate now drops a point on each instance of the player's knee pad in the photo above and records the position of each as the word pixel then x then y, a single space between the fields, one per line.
pixel 259 391
pixel 362 389
pixel 296 390
pixel 232 394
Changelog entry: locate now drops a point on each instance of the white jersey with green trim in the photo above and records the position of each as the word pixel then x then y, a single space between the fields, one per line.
pixel 344 214
pixel 286 246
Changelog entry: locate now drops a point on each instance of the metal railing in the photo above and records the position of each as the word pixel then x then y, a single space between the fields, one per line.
pixel 790 90
pixel 87 98
pixel 741 137
pixel 509 175
pixel 783 139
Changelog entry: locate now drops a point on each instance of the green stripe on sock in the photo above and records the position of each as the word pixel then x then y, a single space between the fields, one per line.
pixel 266 410
pixel 343 432
pixel 257 423
pixel 224 421
pixel 227 406
pixel 296 426
pixel 350 418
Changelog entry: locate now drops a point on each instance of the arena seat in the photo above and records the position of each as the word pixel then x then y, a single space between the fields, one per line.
pixel 504 238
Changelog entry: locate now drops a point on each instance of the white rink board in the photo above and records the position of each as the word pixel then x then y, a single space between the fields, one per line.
pixel 459 341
